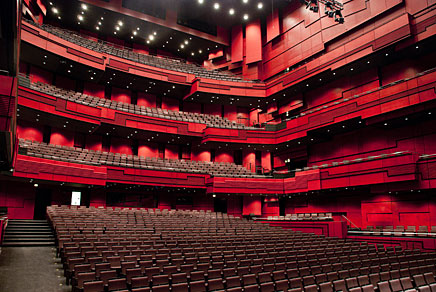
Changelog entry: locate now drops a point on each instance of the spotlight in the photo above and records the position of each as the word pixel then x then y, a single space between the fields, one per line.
pixel 312 5
pixel 245 16
pixel 338 17
pixel 216 6
pixel 231 11
pixel 329 9
pixel 84 7
pixel 259 5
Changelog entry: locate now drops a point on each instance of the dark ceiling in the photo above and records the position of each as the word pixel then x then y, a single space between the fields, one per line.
pixel 203 17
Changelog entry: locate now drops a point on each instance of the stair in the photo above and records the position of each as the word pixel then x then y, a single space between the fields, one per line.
pixel 28 233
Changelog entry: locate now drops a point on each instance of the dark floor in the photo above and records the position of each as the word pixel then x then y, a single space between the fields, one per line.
pixel 31 269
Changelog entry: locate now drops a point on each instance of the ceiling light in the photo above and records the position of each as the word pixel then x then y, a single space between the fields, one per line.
pixel 151 37
pixel 155 33
pixel 55 10
pixel 200 51
pixel 120 23
pixel 97 28
pixel 245 1
pixel 200 1
pixel 148 41
pixel 186 42
pixel 115 32
pixel 101 18
pixel 117 27
pixel 216 6
pixel 192 53
pixel 245 16
pixel 259 5
pixel 134 32
pixel 84 6
pixel 35 185
pixel 59 17
pixel 231 11
pixel 182 46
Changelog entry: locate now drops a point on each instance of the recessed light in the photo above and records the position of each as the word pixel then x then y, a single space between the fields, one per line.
pixel 55 10
pixel 200 51
pixel 231 11
pixel 115 32
pixel 155 33
pixel 182 46
pixel 102 18
pixel 137 28
pixel 151 37
pixel 148 41
pixel 134 32
pixel 200 1
pixel 120 23
pixel 117 28
pixel 245 1
pixel 259 5
pixel 59 17
pixel 99 23
pixel 216 6
pixel 84 6
pixel 245 16
pixel 97 28
pixel 186 42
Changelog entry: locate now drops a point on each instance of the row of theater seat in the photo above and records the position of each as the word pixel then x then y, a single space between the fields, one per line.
pixel 91 157
pixel 346 99
pixel 214 121
pixel 303 217
pixel 150 60
pixel 153 250
pixel 423 231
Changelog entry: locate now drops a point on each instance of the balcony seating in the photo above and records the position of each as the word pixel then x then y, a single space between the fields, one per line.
pixel 303 217
pixel 167 63
pixel 356 160
pixel 91 157
pixel 422 231
pixel 205 251
pixel 346 99
pixel 213 121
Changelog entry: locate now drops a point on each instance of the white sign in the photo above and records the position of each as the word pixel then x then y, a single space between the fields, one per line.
pixel 75 198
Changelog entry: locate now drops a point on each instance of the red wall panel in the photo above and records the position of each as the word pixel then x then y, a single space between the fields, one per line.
pixel 237 43
pixel 93 89
pixel 170 104
pixel 93 142
pixel 121 95
pixel 223 155
pixel 171 151
pixel 147 149
pixel 146 99
pixel 252 205
pixel 40 75
pixel 230 112
pixel 253 39
pixel 272 25
pixel 200 154
pixel 62 137
pixel 121 145
pixel 29 131
pixel 19 198
pixel 249 159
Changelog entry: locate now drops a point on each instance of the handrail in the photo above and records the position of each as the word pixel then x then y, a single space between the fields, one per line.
pixel 350 221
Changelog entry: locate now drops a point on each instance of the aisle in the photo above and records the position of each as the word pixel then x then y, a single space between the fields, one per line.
pixel 31 269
